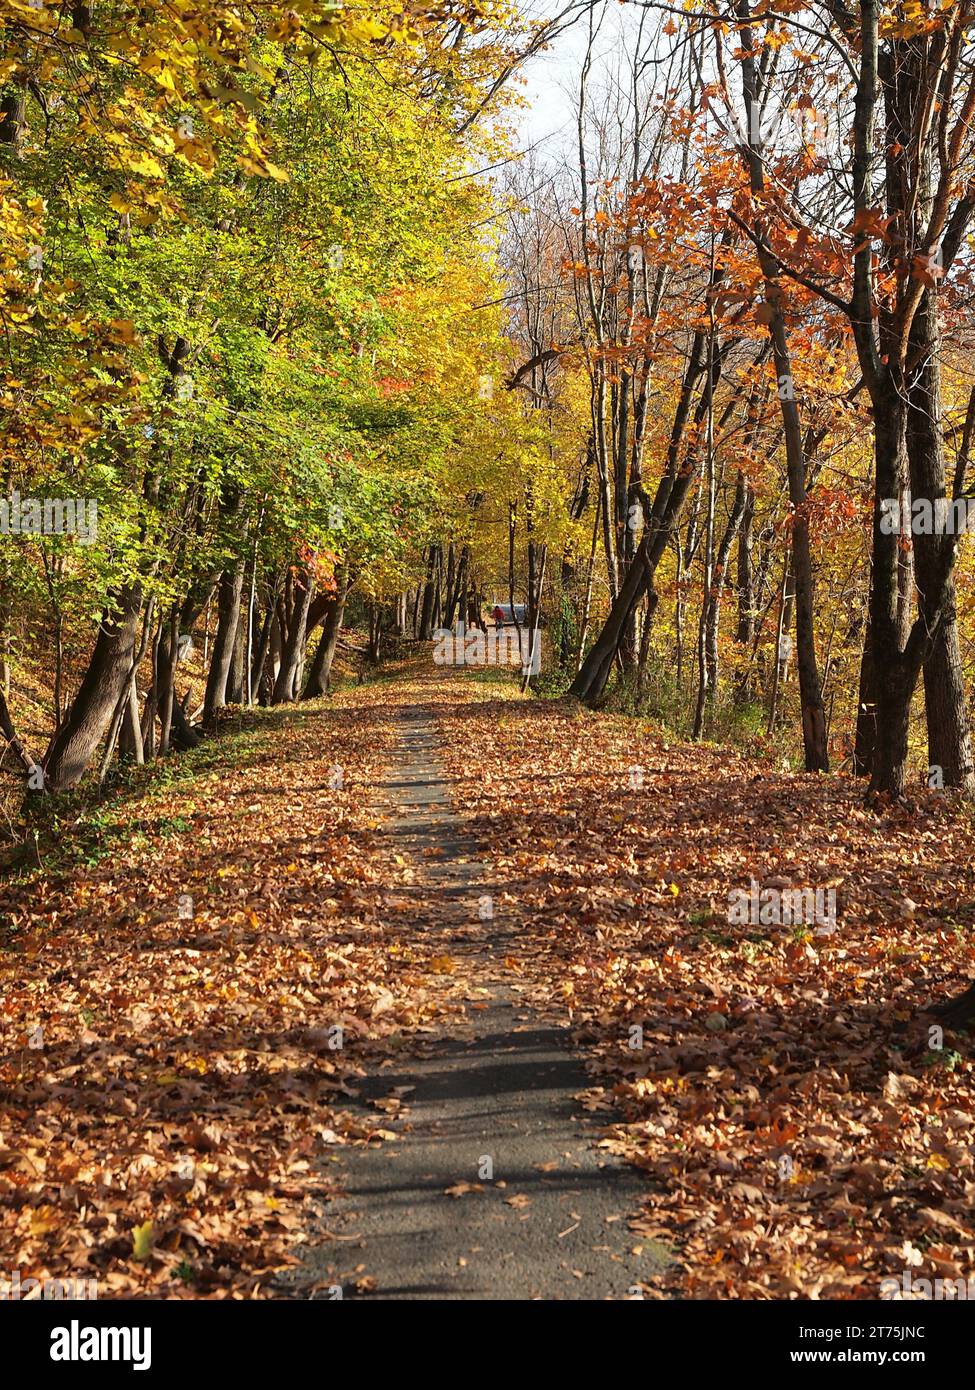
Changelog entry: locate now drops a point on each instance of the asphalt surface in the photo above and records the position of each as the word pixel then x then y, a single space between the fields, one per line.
pixel 538 1211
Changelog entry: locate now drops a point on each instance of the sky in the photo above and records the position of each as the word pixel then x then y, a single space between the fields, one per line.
pixel 551 83
pixel 551 79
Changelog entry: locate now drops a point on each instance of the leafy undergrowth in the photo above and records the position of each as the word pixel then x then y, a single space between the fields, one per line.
pixel 171 1089
pixel 803 1133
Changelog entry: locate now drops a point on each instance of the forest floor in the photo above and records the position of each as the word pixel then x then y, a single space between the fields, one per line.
pixel 428 990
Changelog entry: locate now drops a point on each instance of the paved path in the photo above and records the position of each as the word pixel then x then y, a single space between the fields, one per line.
pixel 551 1221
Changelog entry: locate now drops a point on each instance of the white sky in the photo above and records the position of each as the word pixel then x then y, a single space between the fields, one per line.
pixel 551 84
pixel 552 78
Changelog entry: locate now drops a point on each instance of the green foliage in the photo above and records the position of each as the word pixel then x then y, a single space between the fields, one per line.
pixel 251 339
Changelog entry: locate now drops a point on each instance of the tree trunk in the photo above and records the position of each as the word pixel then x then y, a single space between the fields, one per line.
pixel 533 637
pixel 294 646
pixel 135 728
pixel 949 737
pixel 262 648
pixel 745 630
pixel 234 694
pixel 166 680
pixel 73 746
pixel 429 596
pixel 374 650
pixel 865 742
pixel 457 590
pixel 810 688
pixel 221 659
pixel 321 667
pixel 672 490
pixel 949 732
pixel 719 574
pixel 27 762
pixel 893 690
